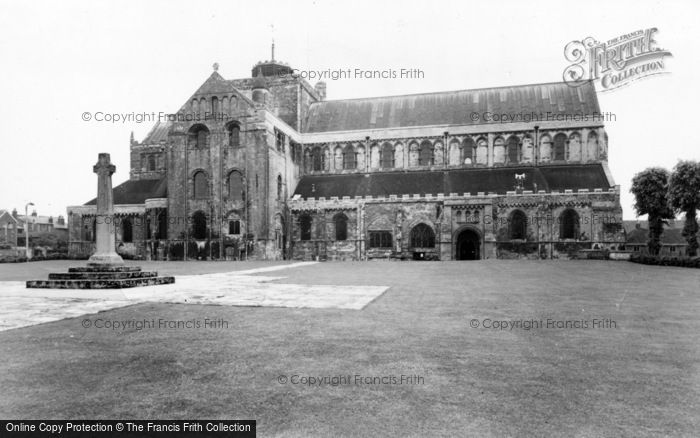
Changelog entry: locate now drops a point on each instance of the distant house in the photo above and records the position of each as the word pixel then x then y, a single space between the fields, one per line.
pixel 672 241
pixel 37 225
pixel 8 229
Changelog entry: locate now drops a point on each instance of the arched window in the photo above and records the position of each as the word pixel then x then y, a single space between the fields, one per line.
pixel 387 156
pixel 592 148
pixel 279 187
pixel 305 227
pixel 234 135
pixel 199 225
pixel 308 160
pixel 151 163
pixel 499 150
pixel 560 147
pixel 318 159
pixel 468 150
pixel 513 143
pixel 482 151
pixel 413 155
pixel 545 148
pixel 349 158
pixel 199 136
pixel 526 150
pixel 234 226
pixel 422 236
pixel 518 225
pixel 162 233
pixel 341 226
pixel 455 153
pixel 127 230
pixel 569 225
pixel 200 185
pixel 215 105
pixel 425 154
pixel 89 229
pixel 235 186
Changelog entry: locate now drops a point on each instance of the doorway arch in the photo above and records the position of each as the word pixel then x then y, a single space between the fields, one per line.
pixel 468 245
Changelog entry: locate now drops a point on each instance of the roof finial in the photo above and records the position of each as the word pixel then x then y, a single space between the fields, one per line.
pixel 272 28
pixel 216 66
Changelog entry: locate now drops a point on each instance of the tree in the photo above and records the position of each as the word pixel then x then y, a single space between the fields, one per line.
pixel 684 196
pixel 650 189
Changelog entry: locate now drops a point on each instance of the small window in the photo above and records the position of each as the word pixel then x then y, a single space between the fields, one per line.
pixel 162 232
pixel 318 159
pixel 200 185
pixel 349 158
pixel 560 147
pixel 127 230
pixel 234 226
pixel 151 163
pixel 380 239
pixel 341 227
pixel 387 156
pixel 234 135
pixel 279 187
pixel 305 227
pixel 518 225
pixel 280 139
pixel 513 146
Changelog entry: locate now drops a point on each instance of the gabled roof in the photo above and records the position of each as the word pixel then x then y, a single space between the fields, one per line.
pixel 137 191
pixel 5 212
pixel 450 107
pixel 497 180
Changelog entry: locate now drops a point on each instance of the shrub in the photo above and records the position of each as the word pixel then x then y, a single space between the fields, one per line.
pixel 683 262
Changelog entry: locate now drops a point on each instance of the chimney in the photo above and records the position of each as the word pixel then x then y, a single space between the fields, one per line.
pixel 320 88
pixel 34 213
pixel 50 219
pixel 61 220
pixel 14 213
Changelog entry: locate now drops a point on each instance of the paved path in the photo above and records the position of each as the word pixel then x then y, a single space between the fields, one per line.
pixel 21 307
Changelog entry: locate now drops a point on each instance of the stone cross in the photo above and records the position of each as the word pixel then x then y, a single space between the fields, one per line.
pixel 105 253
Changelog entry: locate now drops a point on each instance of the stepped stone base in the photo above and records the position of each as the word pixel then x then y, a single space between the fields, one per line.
pixel 95 276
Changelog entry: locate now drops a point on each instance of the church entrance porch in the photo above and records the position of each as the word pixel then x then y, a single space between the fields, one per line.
pixel 468 245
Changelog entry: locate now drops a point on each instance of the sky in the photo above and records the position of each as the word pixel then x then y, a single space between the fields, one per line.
pixel 61 59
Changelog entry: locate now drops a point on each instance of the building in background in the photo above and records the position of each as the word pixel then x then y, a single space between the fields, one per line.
pixel 266 168
pixel 672 241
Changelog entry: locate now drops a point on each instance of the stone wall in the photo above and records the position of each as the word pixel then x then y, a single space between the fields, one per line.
pixel 490 217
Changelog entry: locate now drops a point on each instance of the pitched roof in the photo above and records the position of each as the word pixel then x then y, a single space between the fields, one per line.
pixel 451 107
pixel 670 236
pixel 9 215
pixel 137 191
pixel 158 133
pixel 497 180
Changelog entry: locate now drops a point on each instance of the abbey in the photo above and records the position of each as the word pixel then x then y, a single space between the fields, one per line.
pixel 283 173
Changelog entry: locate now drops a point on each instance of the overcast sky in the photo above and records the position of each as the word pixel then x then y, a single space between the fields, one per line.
pixel 60 59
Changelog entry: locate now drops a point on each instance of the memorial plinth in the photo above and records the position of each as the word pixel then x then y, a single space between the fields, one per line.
pixel 105 268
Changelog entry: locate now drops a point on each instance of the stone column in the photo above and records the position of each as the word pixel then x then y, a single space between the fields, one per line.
pixel 105 253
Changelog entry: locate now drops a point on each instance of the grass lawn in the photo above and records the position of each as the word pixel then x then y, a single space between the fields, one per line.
pixel 641 378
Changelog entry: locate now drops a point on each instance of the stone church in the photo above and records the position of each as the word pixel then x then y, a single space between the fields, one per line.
pixel 266 168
